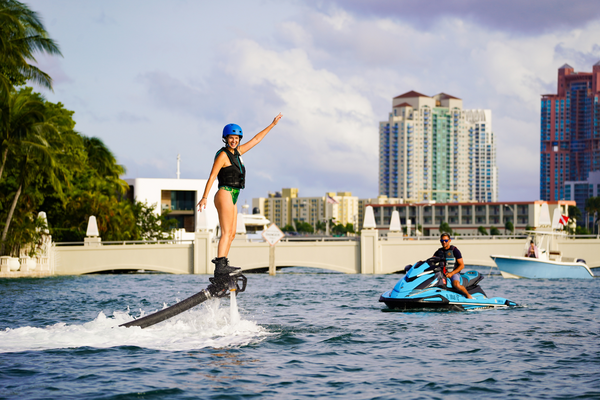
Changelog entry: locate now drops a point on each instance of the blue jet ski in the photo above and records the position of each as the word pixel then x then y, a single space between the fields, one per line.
pixel 425 286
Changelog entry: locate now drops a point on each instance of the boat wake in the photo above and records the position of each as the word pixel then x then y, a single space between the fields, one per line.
pixel 208 325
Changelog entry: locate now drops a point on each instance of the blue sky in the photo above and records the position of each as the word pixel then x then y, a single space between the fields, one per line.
pixel 154 79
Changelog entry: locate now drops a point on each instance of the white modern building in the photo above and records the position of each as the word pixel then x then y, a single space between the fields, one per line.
pixel 180 196
pixel 431 149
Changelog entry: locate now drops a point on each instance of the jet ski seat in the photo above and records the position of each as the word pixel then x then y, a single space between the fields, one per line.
pixel 470 279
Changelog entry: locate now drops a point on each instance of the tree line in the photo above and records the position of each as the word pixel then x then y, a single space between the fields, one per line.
pixel 335 229
pixel 46 165
pixel 592 209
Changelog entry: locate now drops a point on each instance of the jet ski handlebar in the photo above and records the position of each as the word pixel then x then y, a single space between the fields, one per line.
pixel 437 263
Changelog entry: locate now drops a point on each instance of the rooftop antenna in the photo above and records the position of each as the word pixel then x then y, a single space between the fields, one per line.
pixel 178 162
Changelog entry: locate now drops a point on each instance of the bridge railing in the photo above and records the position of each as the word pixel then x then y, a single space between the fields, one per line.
pixel 320 238
pixel 129 242
pixel 368 253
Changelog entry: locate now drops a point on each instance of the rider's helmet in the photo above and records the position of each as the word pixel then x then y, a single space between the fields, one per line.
pixel 232 129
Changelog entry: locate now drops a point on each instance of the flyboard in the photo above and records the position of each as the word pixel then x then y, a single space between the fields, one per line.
pixel 219 287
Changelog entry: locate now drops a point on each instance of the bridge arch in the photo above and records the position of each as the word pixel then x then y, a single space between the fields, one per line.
pixel 169 258
pixel 339 256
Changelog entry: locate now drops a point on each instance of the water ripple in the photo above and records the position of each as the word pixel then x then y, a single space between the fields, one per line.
pixel 300 335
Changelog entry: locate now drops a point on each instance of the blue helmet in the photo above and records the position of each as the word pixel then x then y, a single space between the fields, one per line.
pixel 232 129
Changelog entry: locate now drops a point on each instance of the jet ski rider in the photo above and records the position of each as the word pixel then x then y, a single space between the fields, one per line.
pixel 229 168
pixel 454 263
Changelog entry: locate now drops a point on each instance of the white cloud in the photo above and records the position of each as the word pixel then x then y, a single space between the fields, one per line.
pixel 152 93
pixel 334 76
pixel 516 17
pixel 486 68
pixel 328 126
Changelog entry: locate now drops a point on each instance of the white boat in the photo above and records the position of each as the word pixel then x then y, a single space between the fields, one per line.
pixel 255 222
pixel 548 263
pixel 536 268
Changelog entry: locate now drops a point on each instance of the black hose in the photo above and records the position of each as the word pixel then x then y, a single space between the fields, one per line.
pixel 170 312
pixel 220 287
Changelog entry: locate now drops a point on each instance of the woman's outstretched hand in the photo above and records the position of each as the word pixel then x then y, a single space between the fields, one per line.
pixel 277 118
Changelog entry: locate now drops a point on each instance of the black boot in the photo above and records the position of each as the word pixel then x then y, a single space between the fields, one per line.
pixel 226 278
pixel 223 269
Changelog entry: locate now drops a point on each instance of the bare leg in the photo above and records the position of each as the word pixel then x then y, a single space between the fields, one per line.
pixel 227 220
pixel 460 287
pixel 234 227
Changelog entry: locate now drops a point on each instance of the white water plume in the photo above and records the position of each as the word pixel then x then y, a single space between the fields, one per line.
pixel 206 326
pixel 233 308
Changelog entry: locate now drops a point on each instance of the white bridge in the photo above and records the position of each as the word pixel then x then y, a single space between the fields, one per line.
pixel 366 254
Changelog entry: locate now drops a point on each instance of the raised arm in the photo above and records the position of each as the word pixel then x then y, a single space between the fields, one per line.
pixel 259 136
pixel 217 165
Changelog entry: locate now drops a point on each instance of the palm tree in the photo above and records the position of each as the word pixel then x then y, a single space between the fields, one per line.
pixel 445 228
pixel 98 190
pixel 320 226
pixel 35 156
pixel 508 226
pixel 104 163
pixel 592 206
pixel 18 120
pixel 575 218
pixel 21 35
pixel 574 213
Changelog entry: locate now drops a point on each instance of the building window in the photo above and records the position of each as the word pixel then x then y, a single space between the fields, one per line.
pixel 183 200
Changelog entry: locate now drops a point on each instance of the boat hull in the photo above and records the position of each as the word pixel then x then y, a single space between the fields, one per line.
pixel 439 302
pixel 531 268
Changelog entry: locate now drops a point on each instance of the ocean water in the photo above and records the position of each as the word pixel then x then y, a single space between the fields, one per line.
pixel 302 334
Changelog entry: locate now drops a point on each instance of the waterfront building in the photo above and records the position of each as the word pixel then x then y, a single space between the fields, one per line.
pixel 285 207
pixel 276 207
pixel 570 131
pixel 580 191
pixel 431 149
pixel 344 210
pixel 180 197
pixel 308 209
pixel 466 219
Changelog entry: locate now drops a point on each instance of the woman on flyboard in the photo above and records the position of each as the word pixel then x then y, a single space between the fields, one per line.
pixel 230 171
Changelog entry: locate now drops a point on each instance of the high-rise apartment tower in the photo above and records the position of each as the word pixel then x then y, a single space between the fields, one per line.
pixel 570 131
pixel 431 149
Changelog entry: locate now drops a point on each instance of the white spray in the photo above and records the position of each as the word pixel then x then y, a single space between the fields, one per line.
pixel 235 315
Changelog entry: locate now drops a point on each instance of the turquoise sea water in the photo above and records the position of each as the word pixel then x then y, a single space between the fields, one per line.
pixel 301 334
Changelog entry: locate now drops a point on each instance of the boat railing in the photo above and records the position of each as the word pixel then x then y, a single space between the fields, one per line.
pixel 582 236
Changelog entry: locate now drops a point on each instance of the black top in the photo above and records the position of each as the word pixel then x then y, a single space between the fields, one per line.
pixel 450 256
pixel 234 175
